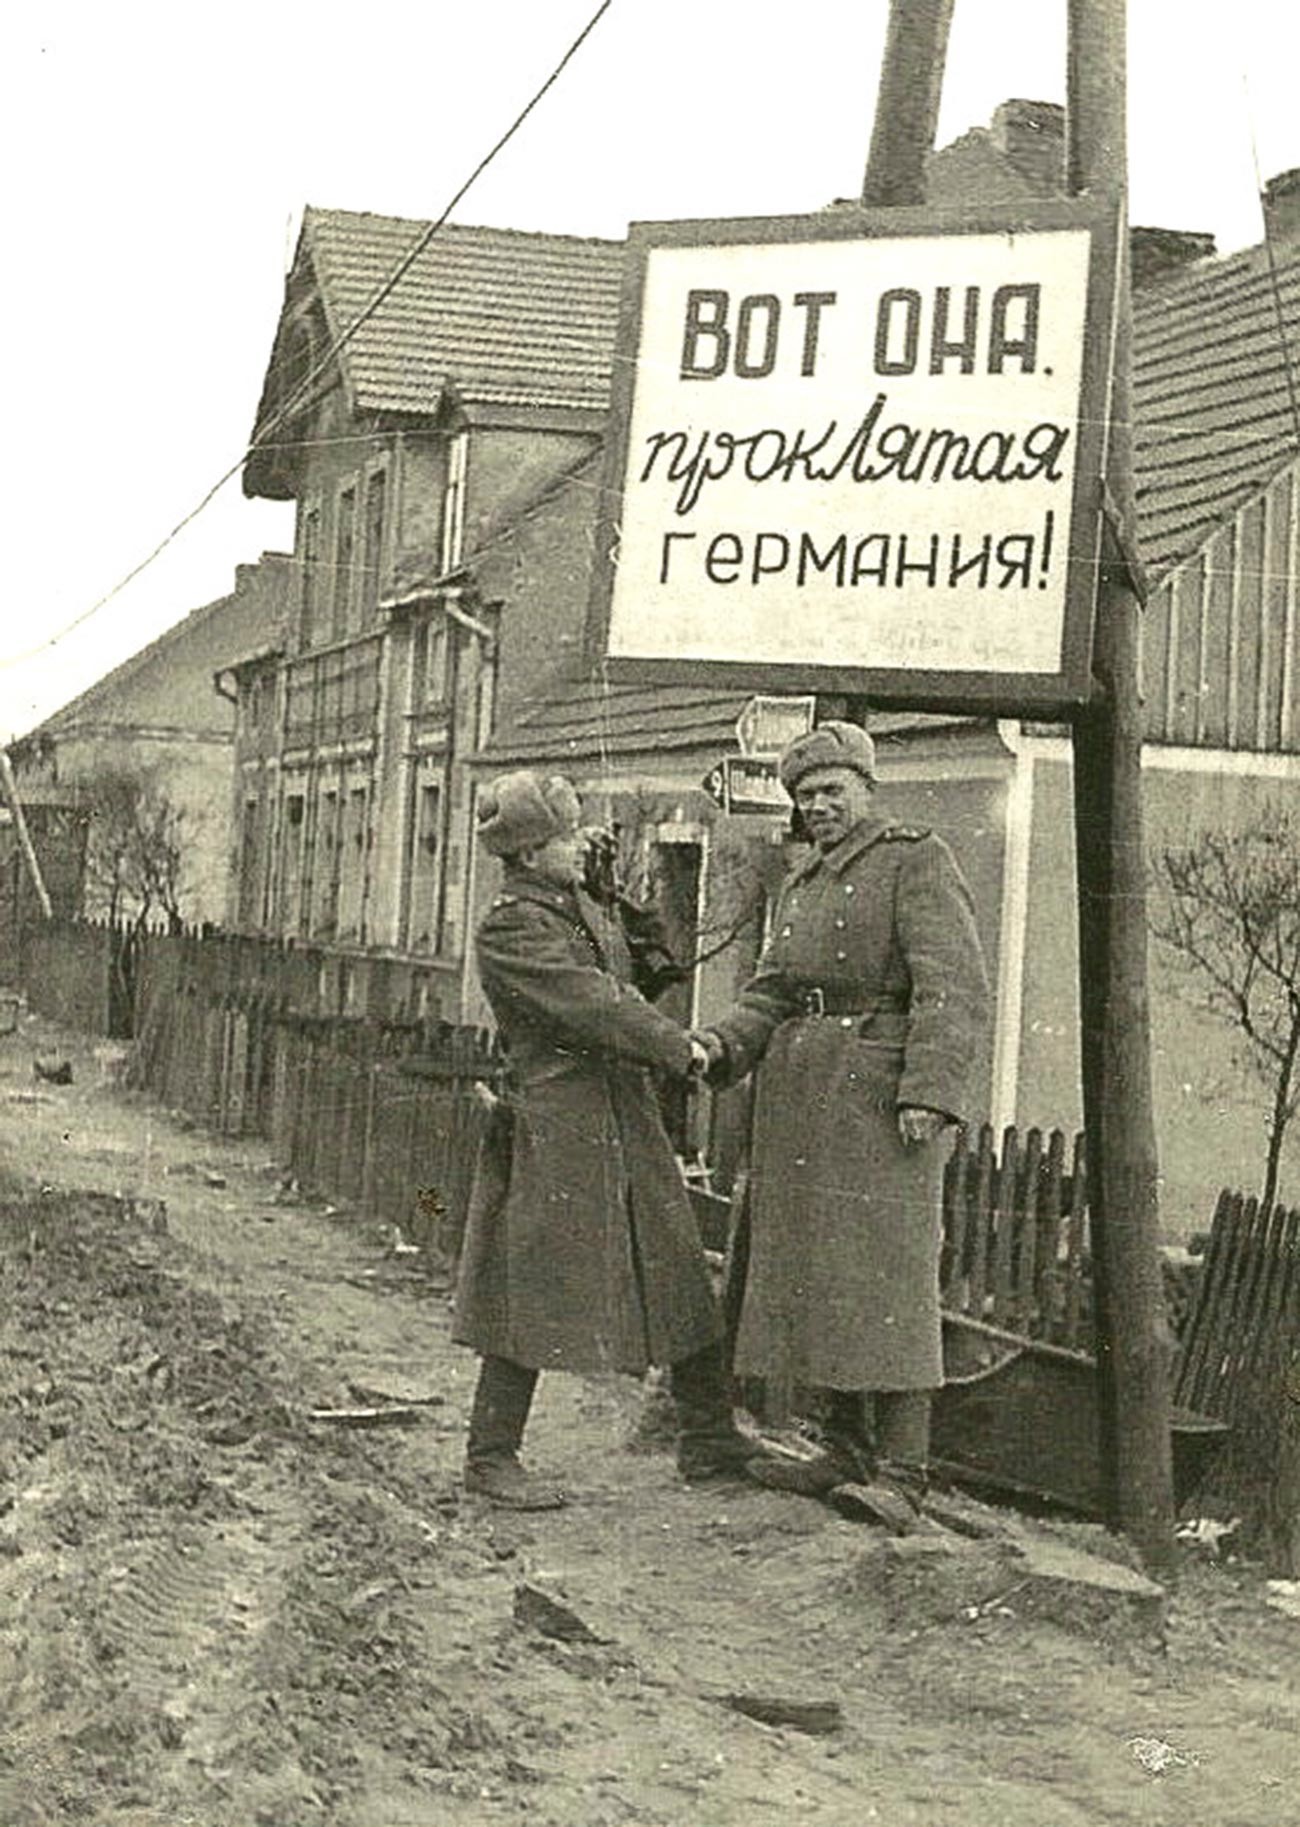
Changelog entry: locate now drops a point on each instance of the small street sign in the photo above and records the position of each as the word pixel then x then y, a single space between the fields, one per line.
pixel 715 785
pixel 767 724
pixel 747 783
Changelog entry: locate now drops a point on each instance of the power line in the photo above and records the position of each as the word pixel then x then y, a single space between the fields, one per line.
pixel 289 406
pixel 1275 283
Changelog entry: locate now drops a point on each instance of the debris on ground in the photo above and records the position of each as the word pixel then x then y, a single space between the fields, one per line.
pixel 814 1716
pixel 217 1612
pixel 551 1617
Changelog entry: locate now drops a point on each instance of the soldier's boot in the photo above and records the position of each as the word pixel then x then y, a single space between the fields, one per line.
pixel 497 1420
pixel 892 1491
pixel 709 1444
pixel 844 1457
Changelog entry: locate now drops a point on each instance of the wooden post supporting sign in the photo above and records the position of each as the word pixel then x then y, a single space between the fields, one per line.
pixel 1132 1340
pixel 1122 1173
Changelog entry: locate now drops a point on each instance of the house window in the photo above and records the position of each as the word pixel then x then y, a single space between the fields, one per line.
pixel 420 923
pixel 291 866
pixel 453 502
pixel 309 550
pixel 372 554
pixel 431 663
pixel 327 866
pixel 344 547
pixel 352 868
pixel 250 863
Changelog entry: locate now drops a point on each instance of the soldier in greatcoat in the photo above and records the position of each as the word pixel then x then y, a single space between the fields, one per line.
pixel 862 1020
pixel 581 1250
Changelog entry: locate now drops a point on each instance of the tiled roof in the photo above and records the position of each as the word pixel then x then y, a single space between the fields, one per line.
pixel 580 718
pixel 1213 416
pixel 505 317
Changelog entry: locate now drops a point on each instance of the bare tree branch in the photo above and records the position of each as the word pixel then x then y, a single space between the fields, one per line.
pixel 1229 909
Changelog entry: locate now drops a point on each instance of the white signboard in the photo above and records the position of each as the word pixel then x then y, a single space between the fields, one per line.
pixel 860 459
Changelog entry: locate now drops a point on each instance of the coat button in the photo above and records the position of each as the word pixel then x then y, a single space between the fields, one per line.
pixel 840 957
pixel 841 923
pixel 848 888
pixel 846 1021
pixel 785 932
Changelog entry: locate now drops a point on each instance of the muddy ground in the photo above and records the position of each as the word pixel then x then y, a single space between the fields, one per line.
pixel 219 1611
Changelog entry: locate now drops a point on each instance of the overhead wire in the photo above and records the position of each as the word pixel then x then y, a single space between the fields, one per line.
pixel 286 409
pixel 1275 281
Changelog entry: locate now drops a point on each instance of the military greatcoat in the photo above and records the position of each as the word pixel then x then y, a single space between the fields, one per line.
pixel 870 995
pixel 581 1250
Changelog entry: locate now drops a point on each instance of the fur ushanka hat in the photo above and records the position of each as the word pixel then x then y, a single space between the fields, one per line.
pixel 830 745
pixel 521 810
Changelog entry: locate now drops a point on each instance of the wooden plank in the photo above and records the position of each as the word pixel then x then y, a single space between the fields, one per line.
pixel 1076 1247
pixel 1257 1331
pixel 1196 1339
pixel 1025 1238
pixel 1218 655
pixel 1004 1205
pixel 1244 1314
pixel 1051 1224
pixel 1210 1389
pixel 981 1209
pixel 368 1136
pixel 952 1254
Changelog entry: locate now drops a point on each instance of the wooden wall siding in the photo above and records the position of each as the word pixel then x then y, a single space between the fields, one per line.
pixel 1220 636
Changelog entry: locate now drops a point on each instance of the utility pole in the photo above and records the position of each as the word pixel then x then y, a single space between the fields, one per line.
pixel 1131 1335
pixel 1132 1340
pixel 907 105
pixel 9 792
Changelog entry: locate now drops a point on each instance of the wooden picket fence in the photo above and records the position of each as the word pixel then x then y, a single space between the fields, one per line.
pixel 1241 1364
pixel 384 1112
pixel 1015 1235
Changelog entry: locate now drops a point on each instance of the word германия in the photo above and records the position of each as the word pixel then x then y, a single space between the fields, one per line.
pixel 869 453
pixel 932 561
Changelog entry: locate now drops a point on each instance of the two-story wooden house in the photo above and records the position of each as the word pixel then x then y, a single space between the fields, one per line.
pixel 427 422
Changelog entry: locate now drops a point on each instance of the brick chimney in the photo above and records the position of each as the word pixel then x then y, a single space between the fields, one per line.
pixel 1281 202
pixel 1031 134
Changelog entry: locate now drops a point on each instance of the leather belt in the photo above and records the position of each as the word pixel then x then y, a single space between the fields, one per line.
pixel 817 999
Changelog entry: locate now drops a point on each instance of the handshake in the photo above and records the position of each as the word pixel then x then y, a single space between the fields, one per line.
pixel 707 1051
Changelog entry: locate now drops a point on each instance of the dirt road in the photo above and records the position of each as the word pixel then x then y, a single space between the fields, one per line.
pixel 219 1611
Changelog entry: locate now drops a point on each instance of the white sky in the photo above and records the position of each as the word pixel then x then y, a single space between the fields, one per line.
pixel 159 156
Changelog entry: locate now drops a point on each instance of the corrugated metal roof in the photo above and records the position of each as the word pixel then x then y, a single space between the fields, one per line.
pixel 1213 420
pixel 508 318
